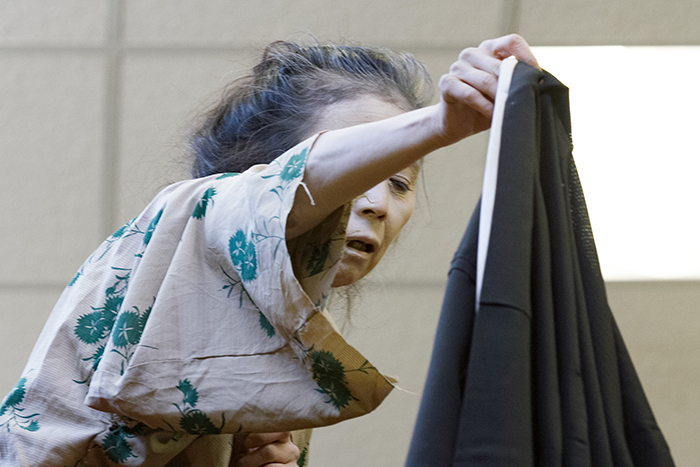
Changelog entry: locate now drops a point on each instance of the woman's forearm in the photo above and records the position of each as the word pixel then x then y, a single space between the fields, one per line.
pixel 345 163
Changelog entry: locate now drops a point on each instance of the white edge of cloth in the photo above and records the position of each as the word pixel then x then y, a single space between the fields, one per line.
pixel 488 192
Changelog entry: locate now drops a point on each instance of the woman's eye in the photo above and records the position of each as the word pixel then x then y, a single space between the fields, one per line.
pixel 399 185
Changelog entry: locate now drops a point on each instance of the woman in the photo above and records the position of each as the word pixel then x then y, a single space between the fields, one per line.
pixel 203 316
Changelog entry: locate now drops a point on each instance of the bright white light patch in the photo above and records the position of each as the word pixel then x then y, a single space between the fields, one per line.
pixel 635 115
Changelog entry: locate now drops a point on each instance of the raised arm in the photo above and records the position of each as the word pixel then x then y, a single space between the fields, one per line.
pixel 346 162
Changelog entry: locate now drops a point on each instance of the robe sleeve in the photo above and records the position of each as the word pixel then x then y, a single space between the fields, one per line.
pixel 220 328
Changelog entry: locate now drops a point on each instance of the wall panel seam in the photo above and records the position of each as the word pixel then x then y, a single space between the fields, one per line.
pixel 112 117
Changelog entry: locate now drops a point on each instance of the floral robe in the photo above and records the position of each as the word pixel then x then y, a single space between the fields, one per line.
pixel 193 321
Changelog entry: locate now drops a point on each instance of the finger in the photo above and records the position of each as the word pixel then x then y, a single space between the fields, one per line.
pixel 479 58
pixel 280 453
pixel 255 440
pixel 512 44
pixel 454 90
pixel 483 81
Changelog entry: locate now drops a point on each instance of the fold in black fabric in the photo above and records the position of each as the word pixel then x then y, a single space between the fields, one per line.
pixel 539 376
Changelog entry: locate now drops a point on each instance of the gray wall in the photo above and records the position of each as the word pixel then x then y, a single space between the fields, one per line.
pixel 97 97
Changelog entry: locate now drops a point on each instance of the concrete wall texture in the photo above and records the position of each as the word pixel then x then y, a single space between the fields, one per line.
pixel 97 98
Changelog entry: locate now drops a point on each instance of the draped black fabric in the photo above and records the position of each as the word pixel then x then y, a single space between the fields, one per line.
pixel 539 376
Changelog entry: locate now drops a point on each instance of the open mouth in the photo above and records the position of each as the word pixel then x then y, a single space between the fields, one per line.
pixel 361 246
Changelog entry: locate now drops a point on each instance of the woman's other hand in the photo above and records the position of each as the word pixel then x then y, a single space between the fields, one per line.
pixel 468 90
pixel 264 449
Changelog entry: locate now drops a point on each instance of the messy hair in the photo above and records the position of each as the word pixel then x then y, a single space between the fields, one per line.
pixel 267 112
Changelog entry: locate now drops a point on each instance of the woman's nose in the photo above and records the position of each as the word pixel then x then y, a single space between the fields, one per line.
pixel 373 202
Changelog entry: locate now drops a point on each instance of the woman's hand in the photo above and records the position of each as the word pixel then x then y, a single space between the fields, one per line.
pixel 264 449
pixel 468 90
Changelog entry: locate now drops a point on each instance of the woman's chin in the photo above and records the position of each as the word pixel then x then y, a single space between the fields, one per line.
pixel 346 276
pixel 341 280
pixel 354 265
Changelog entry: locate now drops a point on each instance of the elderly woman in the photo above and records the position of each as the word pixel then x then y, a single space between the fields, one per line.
pixel 202 319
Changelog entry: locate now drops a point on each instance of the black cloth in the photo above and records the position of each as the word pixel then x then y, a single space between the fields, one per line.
pixel 539 376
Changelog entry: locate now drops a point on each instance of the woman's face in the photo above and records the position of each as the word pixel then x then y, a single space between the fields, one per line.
pixel 378 215
pixel 376 218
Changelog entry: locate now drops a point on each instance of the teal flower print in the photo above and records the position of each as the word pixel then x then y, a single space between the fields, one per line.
pixel 301 462
pixel 196 422
pixel 201 209
pixel 294 166
pixel 193 420
pixel 117 448
pixel 236 247
pixel 191 396
pixel 143 318
pixel 33 425
pixel 91 327
pixel 250 263
pixel 11 404
pixel 127 330
pixel 96 357
pixel 227 175
pixel 243 256
pixel 124 231
pixel 152 227
pixel 76 277
pixel 110 310
pixel 329 374
pixel 266 325
pixel 94 328
pixel 15 397
pixel 116 445
pixel 233 283
pixel 120 231
pixel 317 260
